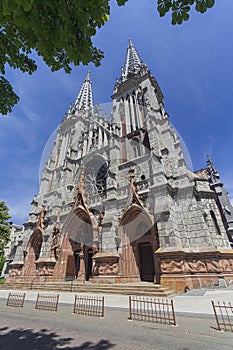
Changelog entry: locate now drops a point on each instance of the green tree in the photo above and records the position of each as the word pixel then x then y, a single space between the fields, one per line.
pixel 180 8
pixel 2 262
pixel 4 228
pixel 61 33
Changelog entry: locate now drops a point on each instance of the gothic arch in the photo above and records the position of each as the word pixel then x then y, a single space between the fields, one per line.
pixel 139 241
pixel 32 253
pixel 80 233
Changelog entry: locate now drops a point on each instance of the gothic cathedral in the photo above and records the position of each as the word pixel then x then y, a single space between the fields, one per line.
pixel 117 203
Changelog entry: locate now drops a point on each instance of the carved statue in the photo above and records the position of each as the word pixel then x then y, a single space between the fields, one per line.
pixel 55 249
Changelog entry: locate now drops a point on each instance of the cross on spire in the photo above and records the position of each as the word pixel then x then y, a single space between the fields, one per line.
pixel 84 100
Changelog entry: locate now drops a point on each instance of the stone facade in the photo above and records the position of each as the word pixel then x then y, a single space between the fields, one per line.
pixel 117 203
pixel 10 248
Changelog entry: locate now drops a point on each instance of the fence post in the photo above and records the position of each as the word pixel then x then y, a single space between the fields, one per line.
pixel 173 313
pixel 57 302
pixel 102 306
pixel 9 295
pixel 216 316
pixel 130 308
pixel 75 299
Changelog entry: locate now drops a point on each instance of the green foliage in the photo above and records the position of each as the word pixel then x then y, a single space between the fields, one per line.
pixel 61 33
pixel 4 228
pixel 2 262
pixel 180 8
pixel 8 97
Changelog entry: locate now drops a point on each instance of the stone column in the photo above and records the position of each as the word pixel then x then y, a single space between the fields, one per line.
pixel 82 271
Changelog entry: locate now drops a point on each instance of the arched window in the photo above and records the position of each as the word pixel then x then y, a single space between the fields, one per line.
pixel 136 147
pixel 216 226
pixel 135 111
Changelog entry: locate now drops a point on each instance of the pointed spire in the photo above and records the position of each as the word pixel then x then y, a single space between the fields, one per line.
pixel 212 172
pixel 133 62
pixel 84 100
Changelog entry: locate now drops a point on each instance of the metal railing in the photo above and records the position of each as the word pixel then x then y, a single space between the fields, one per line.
pixel 47 302
pixel 89 305
pixel 15 299
pixel 223 315
pixel 152 310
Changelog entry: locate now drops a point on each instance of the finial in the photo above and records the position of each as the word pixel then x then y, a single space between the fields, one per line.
pixel 88 77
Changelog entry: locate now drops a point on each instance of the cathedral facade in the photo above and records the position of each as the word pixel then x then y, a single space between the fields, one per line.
pixel 117 203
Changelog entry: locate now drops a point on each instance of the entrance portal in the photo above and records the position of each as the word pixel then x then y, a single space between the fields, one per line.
pixel 147 269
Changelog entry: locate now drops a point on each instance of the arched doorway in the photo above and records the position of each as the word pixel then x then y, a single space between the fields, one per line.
pixel 139 241
pixel 79 232
pixel 32 253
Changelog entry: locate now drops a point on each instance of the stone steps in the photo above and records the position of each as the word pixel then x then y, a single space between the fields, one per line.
pixel 140 289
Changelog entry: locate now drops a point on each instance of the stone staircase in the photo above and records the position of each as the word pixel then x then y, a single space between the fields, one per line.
pixel 139 289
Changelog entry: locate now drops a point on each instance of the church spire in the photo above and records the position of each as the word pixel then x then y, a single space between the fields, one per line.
pixel 84 100
pixel 133 62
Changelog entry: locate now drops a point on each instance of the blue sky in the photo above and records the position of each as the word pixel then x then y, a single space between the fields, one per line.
pixel 193 64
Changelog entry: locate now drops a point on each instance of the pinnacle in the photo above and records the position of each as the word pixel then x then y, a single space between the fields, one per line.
pixel 133 61
pixel 84 100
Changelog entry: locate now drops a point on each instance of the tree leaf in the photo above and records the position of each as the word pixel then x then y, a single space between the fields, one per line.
pixel 8 98
pixel 210 3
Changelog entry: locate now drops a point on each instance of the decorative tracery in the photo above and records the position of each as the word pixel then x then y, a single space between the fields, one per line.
pixel 95 179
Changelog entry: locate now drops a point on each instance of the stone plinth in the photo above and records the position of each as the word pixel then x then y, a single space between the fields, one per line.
pixel 183 270
pixel 45 267
pixel 105 266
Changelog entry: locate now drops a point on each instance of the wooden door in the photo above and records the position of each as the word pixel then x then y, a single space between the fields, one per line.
pixel 147 269
pixel 70 267
pixel 89 264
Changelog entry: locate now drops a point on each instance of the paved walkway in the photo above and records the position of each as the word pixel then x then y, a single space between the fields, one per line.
pixel 194 302
pixel 28 328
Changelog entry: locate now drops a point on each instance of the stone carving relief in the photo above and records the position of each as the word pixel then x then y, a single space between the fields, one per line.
pixel 213 265
pixel 227 265
pixel 106 269
pixel 195 266
pixel 15 272
pixel 44 271
pixel 171 266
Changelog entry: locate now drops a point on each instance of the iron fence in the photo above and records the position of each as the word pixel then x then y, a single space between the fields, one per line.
pixel 89 305
pixel 47 302
pixel 152 310
pixel 224 315
pixel 16 299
